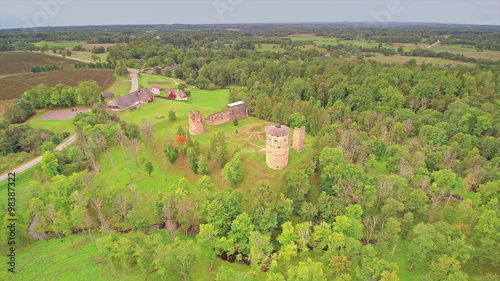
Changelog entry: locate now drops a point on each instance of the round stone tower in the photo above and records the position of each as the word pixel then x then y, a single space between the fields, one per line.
pixel 277 146
pixel 195 123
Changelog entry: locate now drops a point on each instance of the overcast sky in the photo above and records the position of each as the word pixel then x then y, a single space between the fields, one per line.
pixel 32 13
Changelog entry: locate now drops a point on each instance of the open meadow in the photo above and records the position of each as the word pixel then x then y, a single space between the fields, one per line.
pixel 324 41
pixel 60 44
pixel 403 59
pixel 468 52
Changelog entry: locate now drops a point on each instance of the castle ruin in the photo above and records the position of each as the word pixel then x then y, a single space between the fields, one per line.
pixel 277 146
pixel 195 123
pixel 298 138
pixel 233 110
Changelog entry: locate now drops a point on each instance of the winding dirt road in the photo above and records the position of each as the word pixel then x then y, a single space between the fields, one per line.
pixel 437 42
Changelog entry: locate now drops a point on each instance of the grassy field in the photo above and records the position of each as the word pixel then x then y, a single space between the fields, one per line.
pixel 59 44
pixel 420 60
pixel 146 81
pixel 76 258
pixel 248 137
pixel 468 52
pixel 323 41
pixel 85 55
pixel 56 126
pixel 121 86
pixel 13 160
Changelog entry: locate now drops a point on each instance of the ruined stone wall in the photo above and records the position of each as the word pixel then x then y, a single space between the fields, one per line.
pixel 227 115
pixel 298 139
pixel 219 118
pixel 195 123
pixel 239 111
pixel 277 151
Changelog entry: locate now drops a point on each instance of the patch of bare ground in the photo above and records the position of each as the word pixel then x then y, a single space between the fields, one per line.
pixel 91 46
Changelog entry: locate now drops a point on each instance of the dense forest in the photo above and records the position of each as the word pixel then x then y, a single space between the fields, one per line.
pixel 405 157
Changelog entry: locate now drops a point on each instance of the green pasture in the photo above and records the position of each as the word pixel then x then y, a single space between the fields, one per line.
pixel 453 48
pixel 420 60
pixel 59 44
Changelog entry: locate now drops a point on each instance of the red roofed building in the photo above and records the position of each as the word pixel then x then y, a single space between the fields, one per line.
pixel 156 90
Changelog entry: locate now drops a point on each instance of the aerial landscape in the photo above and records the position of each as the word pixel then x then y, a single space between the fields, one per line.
pixel 231 141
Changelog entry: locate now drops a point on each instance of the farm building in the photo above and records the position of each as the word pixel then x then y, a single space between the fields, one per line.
pixel 156 90
pixel 176 94
pixel 181 95
pixel 237 109
pixel 170 93
pixel 107 95
pixel 136 98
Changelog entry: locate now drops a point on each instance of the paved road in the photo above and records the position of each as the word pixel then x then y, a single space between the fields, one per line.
pixel 133 76
pixel 37 160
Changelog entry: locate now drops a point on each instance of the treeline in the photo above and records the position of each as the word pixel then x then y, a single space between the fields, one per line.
pixel 15 138
pixel 446 55
pixel 87 93
pixel 106 64
pixel 486 38
pixel 347 50
pixel 45 68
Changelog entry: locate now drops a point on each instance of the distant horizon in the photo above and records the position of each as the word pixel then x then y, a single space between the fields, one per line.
pixel 63 13
pixel 386 24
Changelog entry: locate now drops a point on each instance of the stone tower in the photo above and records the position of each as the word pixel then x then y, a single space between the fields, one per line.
pixel 298 138
pixel 195 123
pixel 277 146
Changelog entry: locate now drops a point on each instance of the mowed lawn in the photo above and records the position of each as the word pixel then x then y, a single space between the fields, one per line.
pixel 120 88
pixel 147 81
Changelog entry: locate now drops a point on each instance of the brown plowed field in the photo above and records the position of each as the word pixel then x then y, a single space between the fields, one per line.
pixel 16 77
